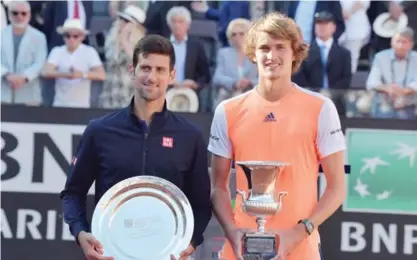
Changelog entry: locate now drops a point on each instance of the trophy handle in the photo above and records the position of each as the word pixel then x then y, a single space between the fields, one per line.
pixel 247 171
pixel 241 193
pixel 280 196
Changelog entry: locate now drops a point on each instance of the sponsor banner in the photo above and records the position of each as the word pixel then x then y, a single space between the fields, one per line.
pixel 37 145
pixel 35 157
pixel 377 220
pixel 384 179
pixel 32 228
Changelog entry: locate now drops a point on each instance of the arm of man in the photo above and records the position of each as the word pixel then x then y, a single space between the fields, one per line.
pixel 374 81
pixel 330 144
pixel 212 14
pixel 359 5
pixel 41 53
pixel 81 176
pixel 50 70
pixel 197 190
pixel 221 150
pixel 96 68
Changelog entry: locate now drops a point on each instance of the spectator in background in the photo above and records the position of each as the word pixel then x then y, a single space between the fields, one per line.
pixel 191 63
pixel 156 22
pixel 358 28
pixel 303 13
pixel 228 11
pixel 235 73
pixel 55 14
pixel 116 6
pixel 328 65
pixel 73 66
pixel 393 76
pixel 37 14
pixel 23 54
pixel 396 9
pixel 126 31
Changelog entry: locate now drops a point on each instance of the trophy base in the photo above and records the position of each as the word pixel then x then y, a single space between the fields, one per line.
pixel 259 246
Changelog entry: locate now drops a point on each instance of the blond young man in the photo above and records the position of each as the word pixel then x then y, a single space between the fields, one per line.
pixel 278 121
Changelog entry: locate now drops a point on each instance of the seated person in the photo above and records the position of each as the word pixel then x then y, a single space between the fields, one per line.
pixel 235 73
pixel 393 76
pixel 328 65
pixel 191 62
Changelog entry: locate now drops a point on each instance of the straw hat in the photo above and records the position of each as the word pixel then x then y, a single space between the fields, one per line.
pixel 72 24
pixel 386 27
pixel 133 14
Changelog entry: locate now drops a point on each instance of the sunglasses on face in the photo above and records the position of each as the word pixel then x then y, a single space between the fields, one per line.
pixel 16 13
pixel 124 20
pixel 238 33
pixel 68 36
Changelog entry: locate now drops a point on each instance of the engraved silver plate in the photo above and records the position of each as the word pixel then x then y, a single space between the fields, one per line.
pixel 143 218
pixel 260 245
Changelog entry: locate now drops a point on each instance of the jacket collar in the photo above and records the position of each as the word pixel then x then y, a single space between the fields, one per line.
pixel 131 112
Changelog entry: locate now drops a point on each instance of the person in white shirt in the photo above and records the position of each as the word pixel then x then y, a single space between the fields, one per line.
pixel 73 66
pixel 358 28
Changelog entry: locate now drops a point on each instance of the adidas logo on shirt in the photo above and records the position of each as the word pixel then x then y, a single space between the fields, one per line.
pixel 270 118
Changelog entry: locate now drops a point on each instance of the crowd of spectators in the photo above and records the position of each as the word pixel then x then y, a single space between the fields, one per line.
pixel 53 54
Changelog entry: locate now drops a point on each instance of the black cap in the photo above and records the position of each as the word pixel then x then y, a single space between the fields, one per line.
pixel 323 16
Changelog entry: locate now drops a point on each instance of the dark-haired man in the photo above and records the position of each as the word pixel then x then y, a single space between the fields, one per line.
pixel 141 139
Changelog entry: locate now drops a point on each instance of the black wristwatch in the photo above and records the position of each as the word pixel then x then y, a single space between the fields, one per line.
pixel 308 225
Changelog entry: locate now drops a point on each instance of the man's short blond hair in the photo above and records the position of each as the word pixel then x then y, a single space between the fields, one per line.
pixel 278 26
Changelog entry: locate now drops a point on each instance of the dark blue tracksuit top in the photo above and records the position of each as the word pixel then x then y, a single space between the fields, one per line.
pixel 119 145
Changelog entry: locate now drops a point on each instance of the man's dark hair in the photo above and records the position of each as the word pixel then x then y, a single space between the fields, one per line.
pixel 154 44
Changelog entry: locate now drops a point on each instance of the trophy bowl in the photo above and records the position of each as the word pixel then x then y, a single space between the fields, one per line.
pixel 261 203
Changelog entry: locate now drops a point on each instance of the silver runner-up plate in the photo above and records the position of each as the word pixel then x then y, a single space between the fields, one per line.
pixel 143 218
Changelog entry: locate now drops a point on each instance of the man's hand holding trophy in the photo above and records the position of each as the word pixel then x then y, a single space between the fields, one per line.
pixel 261 202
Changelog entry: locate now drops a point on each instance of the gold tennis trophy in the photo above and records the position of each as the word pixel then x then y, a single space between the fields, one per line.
pixel 262 202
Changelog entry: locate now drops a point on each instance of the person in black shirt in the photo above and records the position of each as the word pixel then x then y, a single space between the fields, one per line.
pixel 141 139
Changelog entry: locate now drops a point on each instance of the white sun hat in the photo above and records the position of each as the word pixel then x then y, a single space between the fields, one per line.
pixel 182 100
pixel 386 27
pixel 72 24
pixel 133 14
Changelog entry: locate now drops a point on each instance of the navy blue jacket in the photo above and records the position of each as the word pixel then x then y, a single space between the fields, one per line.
pixel 120 146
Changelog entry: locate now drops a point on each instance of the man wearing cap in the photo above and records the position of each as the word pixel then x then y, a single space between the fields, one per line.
pixel 73 66
pixel 328 65
pixel 303 12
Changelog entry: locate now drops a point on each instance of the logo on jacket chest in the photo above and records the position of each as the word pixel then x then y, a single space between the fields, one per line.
pixel 167 142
